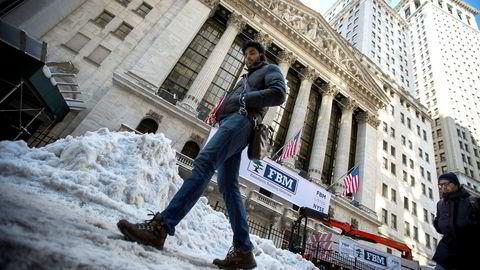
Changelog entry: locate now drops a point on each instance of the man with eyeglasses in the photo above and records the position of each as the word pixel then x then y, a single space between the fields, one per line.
pixel 458 219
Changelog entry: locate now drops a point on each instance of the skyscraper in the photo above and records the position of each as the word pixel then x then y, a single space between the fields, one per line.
pixel 445 44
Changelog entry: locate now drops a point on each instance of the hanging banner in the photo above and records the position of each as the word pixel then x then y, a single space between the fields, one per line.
pixel 283 182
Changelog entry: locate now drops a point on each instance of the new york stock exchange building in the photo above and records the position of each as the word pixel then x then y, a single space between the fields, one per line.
pixel 162 66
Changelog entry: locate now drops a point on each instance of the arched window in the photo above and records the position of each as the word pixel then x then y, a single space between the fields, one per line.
pixel 147 125
pixel 190 149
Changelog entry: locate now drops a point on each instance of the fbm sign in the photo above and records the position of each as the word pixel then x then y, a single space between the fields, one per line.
pixel 375 258
pixel 281 179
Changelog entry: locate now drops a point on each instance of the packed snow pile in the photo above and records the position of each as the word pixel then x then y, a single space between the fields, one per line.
pixel 60 205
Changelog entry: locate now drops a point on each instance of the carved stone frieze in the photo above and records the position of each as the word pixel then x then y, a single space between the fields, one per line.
pixel 330 90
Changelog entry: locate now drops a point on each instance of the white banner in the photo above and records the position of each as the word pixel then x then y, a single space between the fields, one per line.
pixel 283 182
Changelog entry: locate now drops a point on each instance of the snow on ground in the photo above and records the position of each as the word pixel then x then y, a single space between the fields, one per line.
pixel 60 204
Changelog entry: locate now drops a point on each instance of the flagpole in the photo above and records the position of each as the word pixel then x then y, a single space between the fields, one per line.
pixel 286 144
pixel 351 169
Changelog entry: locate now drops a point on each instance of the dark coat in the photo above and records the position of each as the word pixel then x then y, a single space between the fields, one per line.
pixel 459 222
pixel 265 88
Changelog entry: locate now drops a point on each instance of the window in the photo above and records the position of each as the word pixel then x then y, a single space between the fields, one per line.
pixel 392 132
pixel 404 159
pixel 409 123
pixel 422 172
pixel 104 18
pixel 143 9
pixel 385 146
pixel 385 163
pixel 405 176
pixel 384 216
pixel 385 127
pixel 420 152
pixel 404 140
pixel 77 42
pixel 427 158
pixel 124 2
pixel 440 144
pixel 123 30
pixel 425 215
pixel 385 190
pixel 430 193
pixel 405 203
pixel 429 176
pixel 442 156
pixel 98 55
pixel 435 242
pixel 411 164
pixel 415 233
pixel 392 150
pixel 414 208
pixel 407 229
pixel 427 240
pixel 410 145
pixel 393 194
pixel 394 221
pixel 402 118
pixel 424 135
pixel 424 189
pixel 412 180
pixel 393 168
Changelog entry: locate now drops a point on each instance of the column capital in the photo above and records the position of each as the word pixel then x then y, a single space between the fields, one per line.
pixel 366 117
pixel 330 90
pixel 264 39
pixel 309 74
pixel 213 4
pixel 286 56
pixel 236 20
pixel 349 104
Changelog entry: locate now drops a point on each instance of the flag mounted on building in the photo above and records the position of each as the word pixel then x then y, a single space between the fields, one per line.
pixel 211 118
pixel 291 147
pixel 351 181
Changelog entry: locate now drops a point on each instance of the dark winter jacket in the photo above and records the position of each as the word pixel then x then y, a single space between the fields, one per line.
pixel 265 88
pixel 458 219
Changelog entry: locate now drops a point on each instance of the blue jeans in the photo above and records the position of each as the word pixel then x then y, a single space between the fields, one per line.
pixel 222 152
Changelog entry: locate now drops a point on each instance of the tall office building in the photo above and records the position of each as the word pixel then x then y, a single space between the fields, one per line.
pixel 446 67
pixel 406 190
pixel 376 30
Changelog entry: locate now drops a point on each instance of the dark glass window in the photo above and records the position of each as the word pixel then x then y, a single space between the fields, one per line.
pixel 283 113
pixel 328 164
pixel 143 9
pixel 224 80
pixel 190 149
pixel 185 71
pixel 104 18
pixel 308 131
pixel 123 30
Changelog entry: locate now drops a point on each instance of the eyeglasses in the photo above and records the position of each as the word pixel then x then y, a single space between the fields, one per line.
pixel 443 184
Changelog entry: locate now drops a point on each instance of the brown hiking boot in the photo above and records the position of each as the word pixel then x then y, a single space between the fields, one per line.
pixel 237 259
pixel 151 232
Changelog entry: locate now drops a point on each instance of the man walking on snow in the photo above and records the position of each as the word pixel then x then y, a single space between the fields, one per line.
pixel 265 87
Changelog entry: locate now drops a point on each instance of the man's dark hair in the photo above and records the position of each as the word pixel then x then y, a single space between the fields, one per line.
pixel 254 44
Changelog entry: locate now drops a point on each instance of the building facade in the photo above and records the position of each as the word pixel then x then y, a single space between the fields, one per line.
pixel 375 29
pixel 161 65
pixel 446 41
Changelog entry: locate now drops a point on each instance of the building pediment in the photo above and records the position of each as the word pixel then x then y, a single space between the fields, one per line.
pixel 313 34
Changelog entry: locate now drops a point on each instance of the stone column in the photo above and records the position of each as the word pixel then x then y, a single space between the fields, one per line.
pixel 366 158
pixel 300 109
pixel 204 78
pixel 286 59
pixel 319 147
pixel 344 137
pixel 162 55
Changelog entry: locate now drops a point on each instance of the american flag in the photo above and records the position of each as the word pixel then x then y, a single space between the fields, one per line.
pixel 321 240
pixel 211 118
pixel 351 181
pixel 291 147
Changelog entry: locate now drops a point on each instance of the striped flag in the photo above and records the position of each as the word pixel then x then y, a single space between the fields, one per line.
pixel 291 147
pixel 211 118
pixel 321 240
pixel 351 182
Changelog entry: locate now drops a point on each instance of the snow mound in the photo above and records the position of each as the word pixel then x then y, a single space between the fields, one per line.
pixel 61 203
